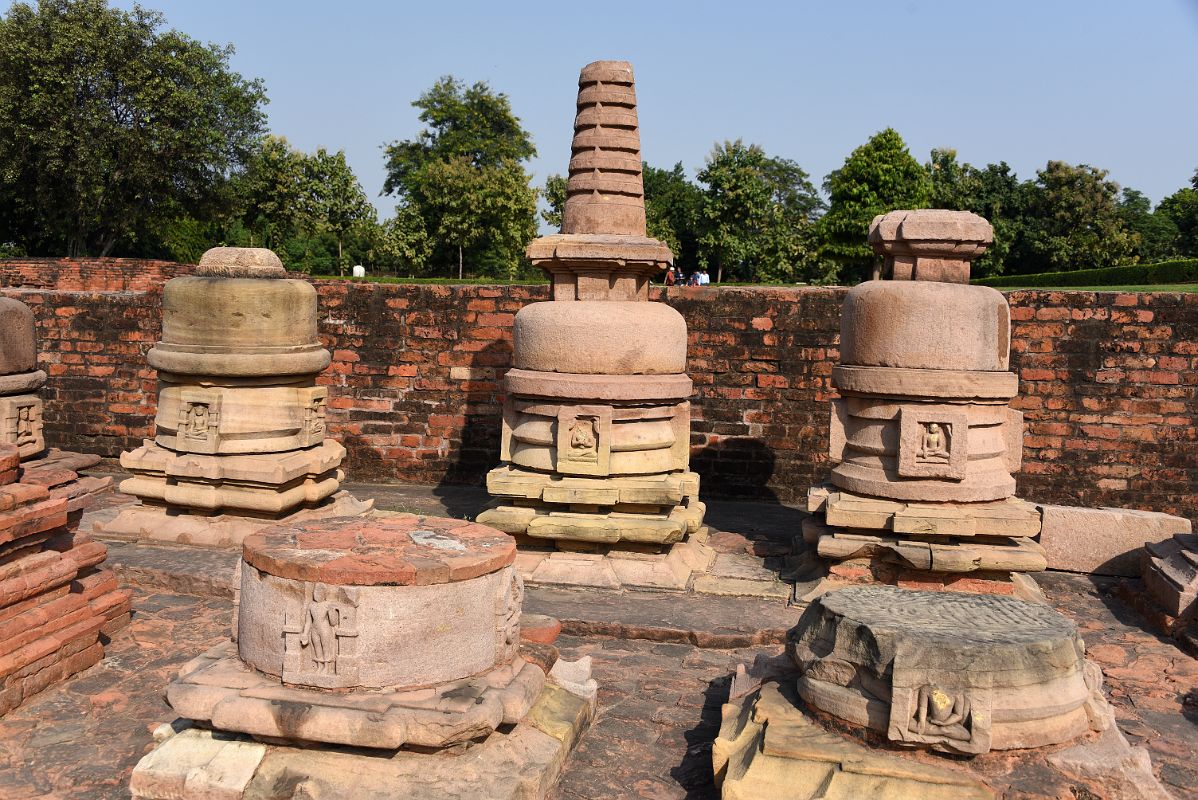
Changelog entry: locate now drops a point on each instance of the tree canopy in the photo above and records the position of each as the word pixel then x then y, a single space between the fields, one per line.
pixel 123 136
pixel 877 177
pixel 464 176
pixel 113 122
pixel 757 214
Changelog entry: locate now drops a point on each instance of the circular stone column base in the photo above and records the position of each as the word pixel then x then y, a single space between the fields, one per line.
pixel 953 672
pixel 369 603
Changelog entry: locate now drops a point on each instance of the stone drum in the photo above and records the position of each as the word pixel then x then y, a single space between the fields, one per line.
pixel 376 603
pixel 954 672
pixel 369 632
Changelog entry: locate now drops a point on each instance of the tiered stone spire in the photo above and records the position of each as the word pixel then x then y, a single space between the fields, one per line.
pixel 602 252
pixel 596 438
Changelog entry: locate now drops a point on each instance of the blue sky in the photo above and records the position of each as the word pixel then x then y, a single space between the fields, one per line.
pixel 1112 84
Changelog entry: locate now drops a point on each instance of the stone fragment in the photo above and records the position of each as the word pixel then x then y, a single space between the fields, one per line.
pixel 953 672
pixel 1123 772
pixel 1103 541
pixel 768 749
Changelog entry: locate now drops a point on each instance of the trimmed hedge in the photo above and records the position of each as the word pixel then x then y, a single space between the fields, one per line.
pixel 1180 271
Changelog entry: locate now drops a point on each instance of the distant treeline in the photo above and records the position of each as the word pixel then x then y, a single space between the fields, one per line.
pixel 124 137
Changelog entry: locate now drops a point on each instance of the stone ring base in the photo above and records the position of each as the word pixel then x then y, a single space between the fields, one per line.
pixel 173 525
pixel 951 672
pixel 522 763
pixel 218 689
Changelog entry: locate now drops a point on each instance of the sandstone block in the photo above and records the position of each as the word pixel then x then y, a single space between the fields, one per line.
pixel 1103 541
pixel 768 749
pixel 247 327
pixel 600 337
pixel 919 325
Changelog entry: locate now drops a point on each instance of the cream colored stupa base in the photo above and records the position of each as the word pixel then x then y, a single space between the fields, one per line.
pixel 658 509
pixel 673 569
pixel 158 523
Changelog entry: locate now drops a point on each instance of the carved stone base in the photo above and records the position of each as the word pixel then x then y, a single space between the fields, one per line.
pixel 522 763
pixel 1010 517
pixel 165 524
pixel 619 567
pixel 971 547
pixel 270 484
pixel 949 672
pixel 658 509
pixel 950 555
pixel 218 689
pixel 768 749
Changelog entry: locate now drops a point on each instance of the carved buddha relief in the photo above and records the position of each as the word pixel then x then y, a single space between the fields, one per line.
pixel 315 410
pixel 320 639
pixel 933 442
pixel 199 422
pixel 584 440
pixel 22 419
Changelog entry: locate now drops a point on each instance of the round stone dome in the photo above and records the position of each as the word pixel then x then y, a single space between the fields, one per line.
pixel 238 327
pixel 593 337
pixel 925 325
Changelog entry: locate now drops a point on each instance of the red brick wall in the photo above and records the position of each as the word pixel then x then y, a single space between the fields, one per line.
pixel 1110 381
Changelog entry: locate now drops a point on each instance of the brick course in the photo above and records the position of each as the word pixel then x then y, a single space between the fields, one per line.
pixel 1109 381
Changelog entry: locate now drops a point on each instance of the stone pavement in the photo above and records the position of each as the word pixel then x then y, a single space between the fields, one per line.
pixel 658 706
pixel 659 699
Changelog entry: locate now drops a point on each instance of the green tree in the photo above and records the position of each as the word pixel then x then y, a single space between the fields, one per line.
pixel 993 192
pixel 673 212
pixel 1153 233
pixel 555 200
pixel 402 243
pixel 112 122
pixel 757 215
pixel 273 191
pixel 877 177
pixel 1072 222
pixel 473 143
pixel 489 210
pixel 1181 209
pixel 336 201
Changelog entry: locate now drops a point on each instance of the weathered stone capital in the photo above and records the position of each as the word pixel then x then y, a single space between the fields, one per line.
pixel 929 244
pixel 241 262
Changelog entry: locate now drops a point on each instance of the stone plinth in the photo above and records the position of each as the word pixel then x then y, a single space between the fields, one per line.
pixel 596 428
pixel 399 634
pixel 240 428
pixel 956 673
pixel 58 604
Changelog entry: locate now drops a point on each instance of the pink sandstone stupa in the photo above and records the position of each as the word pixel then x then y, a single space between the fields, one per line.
pixel 596 423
